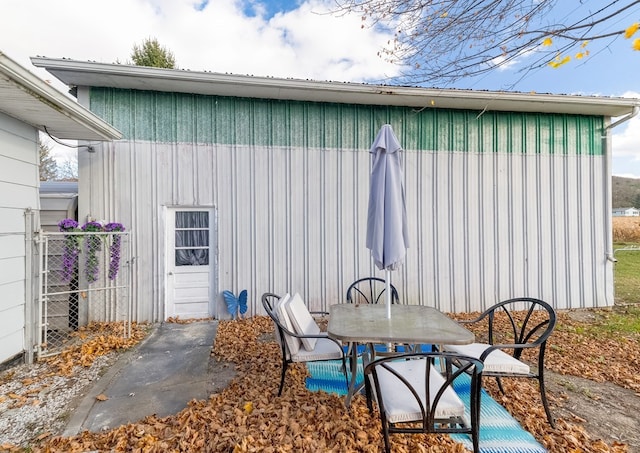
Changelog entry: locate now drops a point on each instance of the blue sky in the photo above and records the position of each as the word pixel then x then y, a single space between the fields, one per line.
pixel 283 38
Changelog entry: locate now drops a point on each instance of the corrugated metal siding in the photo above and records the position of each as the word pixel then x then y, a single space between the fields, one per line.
pixel 499 204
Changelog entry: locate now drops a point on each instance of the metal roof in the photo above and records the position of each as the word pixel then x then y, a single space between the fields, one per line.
pixel 79 73
pixel 31 100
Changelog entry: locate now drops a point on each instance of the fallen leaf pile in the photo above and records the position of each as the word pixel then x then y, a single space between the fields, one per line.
pixel 95 340
pixel 85 345
pixel 248 416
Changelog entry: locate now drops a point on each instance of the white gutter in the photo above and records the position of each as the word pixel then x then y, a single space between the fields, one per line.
pixel 38 89
pixel 93 74
pixel 627 117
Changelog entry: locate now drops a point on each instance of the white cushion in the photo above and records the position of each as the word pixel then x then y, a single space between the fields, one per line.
pixel 400 404
pixel 302 321
pixel 496 362
pixel 292 342
pixel 325 349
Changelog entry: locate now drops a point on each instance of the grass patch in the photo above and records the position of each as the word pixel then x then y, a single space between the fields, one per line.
pixel 627 273
pixel 621 321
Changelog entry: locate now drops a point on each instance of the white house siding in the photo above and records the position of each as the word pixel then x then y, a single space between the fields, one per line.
pixel 18 191
pixel 499 204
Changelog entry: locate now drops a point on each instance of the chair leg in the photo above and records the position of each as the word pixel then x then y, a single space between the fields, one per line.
pixel 543 396
pixel 285 364
pixel 385 434
pixel 500 385
pixel 368 394
pixel 344 370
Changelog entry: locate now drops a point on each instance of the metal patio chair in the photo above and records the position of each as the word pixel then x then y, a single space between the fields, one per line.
pixel 414 397
pixel 529 323
pixel 296 345
pixel 372 290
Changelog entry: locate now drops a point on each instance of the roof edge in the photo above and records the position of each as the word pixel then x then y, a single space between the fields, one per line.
pixel 81 73
pixel 39 89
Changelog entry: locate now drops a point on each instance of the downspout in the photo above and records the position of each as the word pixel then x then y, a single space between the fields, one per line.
pixel 633 113
pixel 609 190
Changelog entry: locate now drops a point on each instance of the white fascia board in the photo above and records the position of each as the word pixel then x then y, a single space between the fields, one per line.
pixel 80 73
pixel 54 104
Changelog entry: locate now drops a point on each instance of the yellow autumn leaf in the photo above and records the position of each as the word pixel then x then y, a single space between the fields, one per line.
pixel 636 44
pixel 629 32
pixel 559 62
pixel 102 397
pixel 547 42
pixel 248 407
pixel 584 44
pixel 443 15
pixel 579 56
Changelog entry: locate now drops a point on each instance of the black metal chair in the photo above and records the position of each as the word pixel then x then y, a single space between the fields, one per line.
pixel 291 343
pixel 529 323
pixel 370 290
pixel 414 397
pixel 373 290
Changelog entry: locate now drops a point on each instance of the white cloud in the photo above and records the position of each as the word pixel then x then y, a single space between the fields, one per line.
pixel 626 145
pixel 300 43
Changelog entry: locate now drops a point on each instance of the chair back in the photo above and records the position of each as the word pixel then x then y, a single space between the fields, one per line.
pixel 522 321
pixel 269 301
pixel 370 290
pixel 415 397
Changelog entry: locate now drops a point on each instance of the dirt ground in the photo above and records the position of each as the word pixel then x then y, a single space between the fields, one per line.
pixel 606 410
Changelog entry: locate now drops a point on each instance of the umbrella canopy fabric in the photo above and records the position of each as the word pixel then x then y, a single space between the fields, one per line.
pixel 387 233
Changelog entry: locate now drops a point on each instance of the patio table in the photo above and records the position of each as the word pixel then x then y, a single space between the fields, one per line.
pixel 408 324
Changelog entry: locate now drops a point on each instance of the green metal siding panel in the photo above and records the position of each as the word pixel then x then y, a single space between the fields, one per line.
pixel 186 118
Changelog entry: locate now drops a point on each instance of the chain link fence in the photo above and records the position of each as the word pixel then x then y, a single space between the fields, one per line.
pixel 83 277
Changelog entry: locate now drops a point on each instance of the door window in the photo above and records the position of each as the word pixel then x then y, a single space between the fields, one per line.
pixel 192 238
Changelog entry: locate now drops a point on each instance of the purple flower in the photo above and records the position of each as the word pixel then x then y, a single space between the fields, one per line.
pixel 92 226
pixel 71 250
pixel 114 248
pixel 67 225
pixel 113 226
pixel 93 246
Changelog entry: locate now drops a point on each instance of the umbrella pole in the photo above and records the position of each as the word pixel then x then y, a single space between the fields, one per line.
pixel 388 291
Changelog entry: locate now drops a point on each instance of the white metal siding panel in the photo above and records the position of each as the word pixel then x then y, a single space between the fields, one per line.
pixel 483 226
pixel 489 204
pixel 12 246
pixel 12 321
pixel 18 191
pixel 18 172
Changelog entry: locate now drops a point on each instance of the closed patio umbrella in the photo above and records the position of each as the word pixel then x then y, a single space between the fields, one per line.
pixel 387 234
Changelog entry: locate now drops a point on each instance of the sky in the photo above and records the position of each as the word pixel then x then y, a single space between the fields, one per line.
pixel 293 39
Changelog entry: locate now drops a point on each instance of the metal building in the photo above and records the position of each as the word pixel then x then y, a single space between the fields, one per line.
pixel 235 182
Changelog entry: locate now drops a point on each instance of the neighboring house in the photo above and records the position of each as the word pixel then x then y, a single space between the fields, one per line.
pixel 233 182
pixel 58 201
pixel 28 105
pixel 626 212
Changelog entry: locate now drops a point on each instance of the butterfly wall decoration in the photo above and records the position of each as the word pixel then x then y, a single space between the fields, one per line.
pixel 236 306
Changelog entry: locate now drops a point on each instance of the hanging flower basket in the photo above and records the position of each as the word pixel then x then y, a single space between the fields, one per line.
pixel 71 249
pixel 93 245
pixel 114 248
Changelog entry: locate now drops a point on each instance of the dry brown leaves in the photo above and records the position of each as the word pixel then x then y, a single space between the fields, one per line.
pixel 248 416
pixel 95 340
pixel 86 345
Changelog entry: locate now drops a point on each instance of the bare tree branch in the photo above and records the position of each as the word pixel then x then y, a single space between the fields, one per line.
pixel 446 40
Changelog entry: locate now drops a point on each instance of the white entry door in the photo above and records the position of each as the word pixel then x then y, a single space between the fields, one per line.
pixel 191 263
